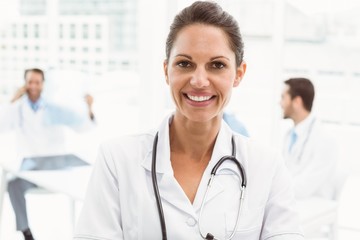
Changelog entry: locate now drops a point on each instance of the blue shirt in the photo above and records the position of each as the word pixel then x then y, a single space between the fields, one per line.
pixel 57 115
pixel 235 124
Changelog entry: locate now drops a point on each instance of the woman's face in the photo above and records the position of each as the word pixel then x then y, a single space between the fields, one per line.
pixel 201 72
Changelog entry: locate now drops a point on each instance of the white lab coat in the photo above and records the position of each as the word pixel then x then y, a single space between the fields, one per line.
pixel 38 133
pixel 312 160
pixel 120 202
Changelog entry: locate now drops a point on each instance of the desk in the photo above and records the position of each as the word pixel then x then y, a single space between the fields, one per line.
pixel 71 182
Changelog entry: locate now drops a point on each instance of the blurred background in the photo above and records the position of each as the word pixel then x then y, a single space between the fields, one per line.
pixel 114 50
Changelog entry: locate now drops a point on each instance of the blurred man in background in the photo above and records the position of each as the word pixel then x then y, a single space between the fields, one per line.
pixel 309 153
pixel 39 126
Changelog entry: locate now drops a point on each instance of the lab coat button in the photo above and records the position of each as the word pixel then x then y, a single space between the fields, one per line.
pixel 191 222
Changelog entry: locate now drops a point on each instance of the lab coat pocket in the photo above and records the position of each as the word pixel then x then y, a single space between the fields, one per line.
pixel 250 222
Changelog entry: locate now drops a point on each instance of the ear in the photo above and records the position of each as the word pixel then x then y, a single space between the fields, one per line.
pixel 240 72
pixel 298 102
pixel 165 64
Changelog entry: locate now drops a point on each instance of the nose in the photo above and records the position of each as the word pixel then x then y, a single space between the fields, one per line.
pixel 32 86
pixel 199 78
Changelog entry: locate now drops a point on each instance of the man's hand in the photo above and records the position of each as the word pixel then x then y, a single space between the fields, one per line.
pixel 19 93
pixel 89 101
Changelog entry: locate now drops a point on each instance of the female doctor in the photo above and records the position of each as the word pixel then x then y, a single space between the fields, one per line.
pixel 156 185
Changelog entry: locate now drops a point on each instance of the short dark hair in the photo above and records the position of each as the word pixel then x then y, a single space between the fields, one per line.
pixel 36 70
pixel 208 13
pixel 303 88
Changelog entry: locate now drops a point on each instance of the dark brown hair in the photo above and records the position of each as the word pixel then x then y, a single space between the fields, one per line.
pixel 303 88
pixel 36 70
pixel 208 13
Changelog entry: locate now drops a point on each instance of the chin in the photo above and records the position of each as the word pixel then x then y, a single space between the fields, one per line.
pixel 33 95
pixel 202 118
pixel 195 116
pixel 286 117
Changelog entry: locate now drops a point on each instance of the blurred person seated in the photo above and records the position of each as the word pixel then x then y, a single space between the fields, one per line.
pixel 309 153
pixel 39 126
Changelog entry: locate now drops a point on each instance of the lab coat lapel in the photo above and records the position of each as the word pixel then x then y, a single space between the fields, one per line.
pixel 223 147
pixel 169 188
pixel 163 164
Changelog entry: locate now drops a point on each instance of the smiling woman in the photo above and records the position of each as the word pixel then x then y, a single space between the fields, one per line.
pixel 162 184
pixel 201 71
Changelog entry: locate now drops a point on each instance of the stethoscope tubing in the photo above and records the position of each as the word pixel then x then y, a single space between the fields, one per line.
pixel 156 189
pixel 213 174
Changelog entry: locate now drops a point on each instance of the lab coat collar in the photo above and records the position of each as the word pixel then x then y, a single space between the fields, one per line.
pixel 222 148
pixel 166 181
pixel 40 102
pixel 27 103
pixel 163 164
pixel 170 190
pixel 301 128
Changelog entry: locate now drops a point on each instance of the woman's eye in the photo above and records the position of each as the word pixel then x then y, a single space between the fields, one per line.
pixel 184 64
pixel 218 65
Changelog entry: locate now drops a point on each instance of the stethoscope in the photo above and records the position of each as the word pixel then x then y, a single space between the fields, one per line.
pixel 213 173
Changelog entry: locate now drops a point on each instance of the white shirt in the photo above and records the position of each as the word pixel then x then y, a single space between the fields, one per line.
pixel 312 160
pixel 120 202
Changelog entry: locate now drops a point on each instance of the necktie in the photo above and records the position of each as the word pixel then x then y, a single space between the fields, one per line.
pixel 293 138
pixel 34 107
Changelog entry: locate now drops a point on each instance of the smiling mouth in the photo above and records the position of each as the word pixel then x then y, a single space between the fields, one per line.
pixel 198 98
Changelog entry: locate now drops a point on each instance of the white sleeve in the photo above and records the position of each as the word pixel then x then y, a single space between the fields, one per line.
pixel 8 116
pixel 100 217
pixel 286 237
pixel 79 121
pixel 281 220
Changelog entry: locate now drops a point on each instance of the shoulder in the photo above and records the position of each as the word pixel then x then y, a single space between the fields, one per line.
pixel 323 135
pixel 255 148
pixel 18 103
pixel 123 156
pixel 11 109
pixel 126 141
pixel 257 155
pixel 128 146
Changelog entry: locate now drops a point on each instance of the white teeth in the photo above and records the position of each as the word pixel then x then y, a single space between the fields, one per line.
pixel 199 98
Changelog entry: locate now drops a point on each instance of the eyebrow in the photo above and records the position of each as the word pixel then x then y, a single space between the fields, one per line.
pixel 189 57
pixel 184 55
pixel 213 58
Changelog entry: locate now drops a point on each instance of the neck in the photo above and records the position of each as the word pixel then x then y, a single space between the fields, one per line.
pixel 300 117
pixel 194 138
pixel 33 98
